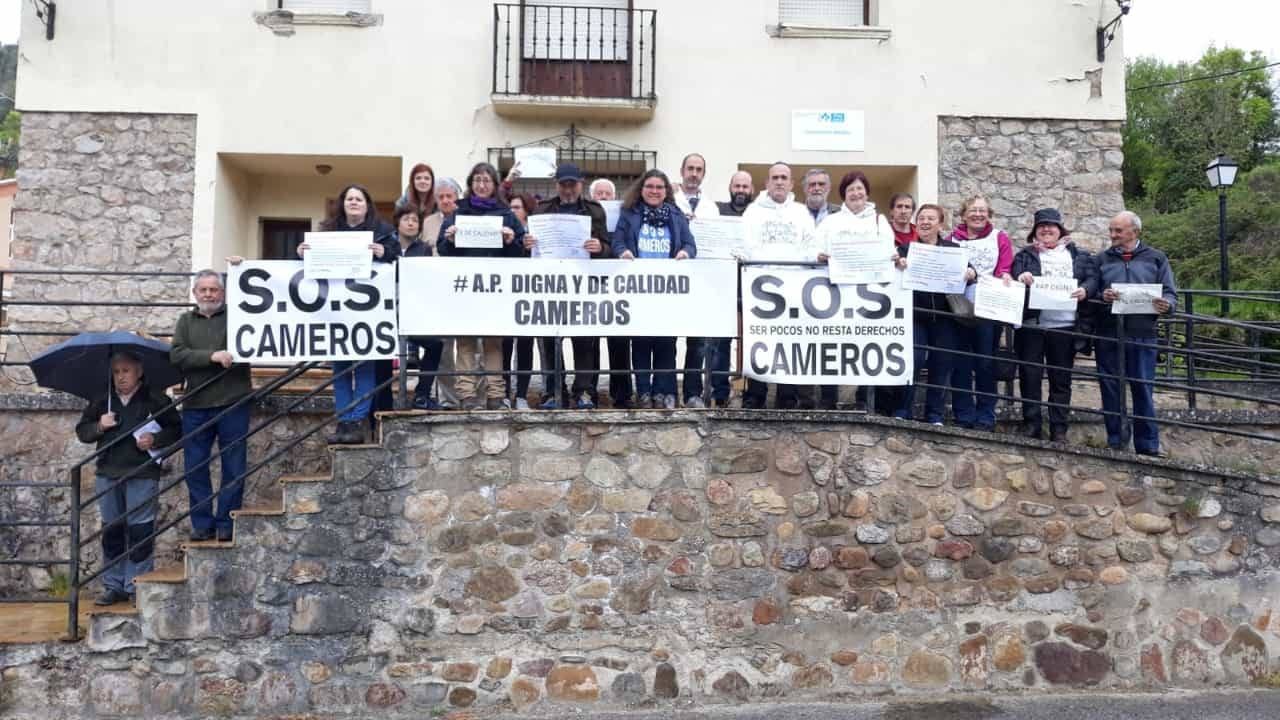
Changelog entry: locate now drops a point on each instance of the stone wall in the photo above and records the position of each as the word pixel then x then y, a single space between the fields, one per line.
pixel 38 444
pixel 1023 165
pixel 472 561
pixel 100 191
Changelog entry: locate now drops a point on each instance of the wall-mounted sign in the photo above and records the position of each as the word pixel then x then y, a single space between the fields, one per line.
pixel 831 130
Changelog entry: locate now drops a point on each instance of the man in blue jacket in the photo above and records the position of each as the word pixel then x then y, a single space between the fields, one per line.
pixel 1131 261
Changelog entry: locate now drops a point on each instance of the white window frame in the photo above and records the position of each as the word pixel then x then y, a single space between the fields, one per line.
pixel 873 30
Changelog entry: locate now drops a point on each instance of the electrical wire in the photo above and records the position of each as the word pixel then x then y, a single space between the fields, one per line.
pixel 1202 77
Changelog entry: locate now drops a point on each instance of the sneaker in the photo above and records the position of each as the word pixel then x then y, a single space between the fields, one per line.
pixel 1058 435
pixel 936 423
pixel 224 534
pixel 668 402
pixel 352 434
pixel 644 402
pixel 497 404
pixel 110 597
pixel 425 402
pixel 695 403
pixel 622 403
pixel 522 404
pixel 472 403
pixel 585 402
pixel 201 535
pixel 551 403
pixel 752 404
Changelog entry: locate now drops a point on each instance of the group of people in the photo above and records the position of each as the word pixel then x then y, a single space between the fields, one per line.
pixel 956 351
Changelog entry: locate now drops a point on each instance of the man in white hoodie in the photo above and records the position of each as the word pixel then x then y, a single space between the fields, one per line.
pixel 781 229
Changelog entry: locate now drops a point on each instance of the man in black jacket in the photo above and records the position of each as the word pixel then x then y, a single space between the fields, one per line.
pixel 126 474
pixel 1129 260
pixel 586 350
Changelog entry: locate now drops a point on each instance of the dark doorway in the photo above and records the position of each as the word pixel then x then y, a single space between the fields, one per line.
pixel 281 238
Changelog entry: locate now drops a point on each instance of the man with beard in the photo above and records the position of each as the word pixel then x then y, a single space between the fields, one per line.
pixel 199 351
pixel 817 186
pixel 741 190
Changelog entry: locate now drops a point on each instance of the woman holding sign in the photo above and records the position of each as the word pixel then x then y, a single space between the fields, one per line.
pixel 482 227
pixel 353 397
pixel 990 254
pixel 1057 275
pixel 935 331
pixel 651 226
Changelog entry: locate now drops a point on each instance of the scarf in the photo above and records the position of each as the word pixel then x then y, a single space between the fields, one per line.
pixel 657 216
pixel 483 203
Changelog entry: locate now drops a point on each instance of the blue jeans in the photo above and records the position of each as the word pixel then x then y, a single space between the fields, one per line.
pixel 940 333
pixel 137 493
pixel 970 373
pixel 356 384
pixel 654 353
pixel 199 447
pixel 714 353
pixel 1139 365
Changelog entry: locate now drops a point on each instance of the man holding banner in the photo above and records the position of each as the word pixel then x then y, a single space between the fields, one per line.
pixel 585 238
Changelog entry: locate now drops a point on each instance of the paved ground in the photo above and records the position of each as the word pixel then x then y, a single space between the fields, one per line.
pixel 1235 705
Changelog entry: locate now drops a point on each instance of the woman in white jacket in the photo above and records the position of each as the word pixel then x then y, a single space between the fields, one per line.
pixel 858 217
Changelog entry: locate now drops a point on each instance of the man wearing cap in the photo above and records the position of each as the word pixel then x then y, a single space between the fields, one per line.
pixel 586 350
pixel 1129 260
pixel 1045 337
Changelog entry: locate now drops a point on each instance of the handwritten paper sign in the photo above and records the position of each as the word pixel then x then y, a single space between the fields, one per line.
pixel 560 236
pixel 337 255
pixel 478 231
pixel 994 301
pixel 536 162
pixel 723 238
pixel 1052 293
pixel 612 210
pixel 935 269
pixel 1136 298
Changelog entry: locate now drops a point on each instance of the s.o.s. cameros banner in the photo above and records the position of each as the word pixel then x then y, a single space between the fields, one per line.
pixel 274 314
pixel 800 329
pixel 551 297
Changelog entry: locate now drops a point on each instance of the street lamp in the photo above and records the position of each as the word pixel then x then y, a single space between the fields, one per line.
pixel 1221 172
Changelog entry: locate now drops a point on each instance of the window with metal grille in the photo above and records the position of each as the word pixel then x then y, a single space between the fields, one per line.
pixel 326 7
pixel 824 13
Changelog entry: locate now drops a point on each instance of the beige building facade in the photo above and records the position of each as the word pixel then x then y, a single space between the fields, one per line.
pixel 284 101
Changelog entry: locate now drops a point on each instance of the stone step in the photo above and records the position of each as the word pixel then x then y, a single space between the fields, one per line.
pixel 168 575
pixel 269 509
pixel 291 479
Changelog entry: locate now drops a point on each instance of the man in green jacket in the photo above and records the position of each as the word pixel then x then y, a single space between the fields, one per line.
pixel 126 474
pixel 199 350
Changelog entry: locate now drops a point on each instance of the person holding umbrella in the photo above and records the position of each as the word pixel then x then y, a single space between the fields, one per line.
pixel 126 476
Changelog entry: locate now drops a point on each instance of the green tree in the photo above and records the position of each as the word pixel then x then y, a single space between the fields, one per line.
pixel 1175 127
pixel 9 130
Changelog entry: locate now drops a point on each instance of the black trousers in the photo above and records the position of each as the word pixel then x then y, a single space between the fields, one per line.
pixel 789 397
pixel 586 366
pixel 523 348
pixel 1053 348
pixel 620 365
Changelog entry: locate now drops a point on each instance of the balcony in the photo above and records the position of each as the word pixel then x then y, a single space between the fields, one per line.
pixel 554 62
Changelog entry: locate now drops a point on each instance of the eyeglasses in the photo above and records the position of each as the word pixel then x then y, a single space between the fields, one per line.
pixel 655 187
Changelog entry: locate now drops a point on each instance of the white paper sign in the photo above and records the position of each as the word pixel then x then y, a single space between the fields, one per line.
pixel 536 162
pixel 856 257
pixel 984 253
pixel 994 301
pixel 151 427
pixel 478 231
pixel 560 235
pixel 831 130
pixel 275 314
pixel 800 329
pixel 1136 298
pixel 1052 293
pixel 337 255
pixel 722 238
pixel 500 297
pixel 935 269
pixel 612 210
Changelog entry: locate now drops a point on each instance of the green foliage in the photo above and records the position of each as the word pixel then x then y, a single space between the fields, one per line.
pixel 9 131
pixel 60 585
pixel 1172 132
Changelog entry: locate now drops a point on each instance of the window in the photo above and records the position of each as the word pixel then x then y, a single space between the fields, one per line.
pixel 577 30
pixel 824 13
pixel 326 7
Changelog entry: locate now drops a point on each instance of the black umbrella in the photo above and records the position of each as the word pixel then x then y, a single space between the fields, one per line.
pixel 78 365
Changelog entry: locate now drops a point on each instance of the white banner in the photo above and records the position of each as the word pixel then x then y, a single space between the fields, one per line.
pixel 274 314
pixel 800 329
pixel 454 296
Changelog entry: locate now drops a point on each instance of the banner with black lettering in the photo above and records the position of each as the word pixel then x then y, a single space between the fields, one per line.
pixel 274 314
pixel 800 329
pixel 455 296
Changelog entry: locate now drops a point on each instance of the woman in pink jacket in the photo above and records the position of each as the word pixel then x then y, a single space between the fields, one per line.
pixel 990 253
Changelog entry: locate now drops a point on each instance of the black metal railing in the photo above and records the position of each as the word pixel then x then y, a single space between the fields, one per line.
pixel 574 51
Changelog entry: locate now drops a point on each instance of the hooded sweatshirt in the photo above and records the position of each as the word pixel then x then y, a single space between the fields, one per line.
pixel 866 226
pixel 987 261
pixel 780 231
